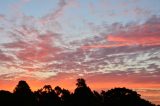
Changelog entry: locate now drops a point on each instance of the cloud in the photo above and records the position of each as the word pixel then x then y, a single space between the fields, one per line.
pixel 62 5
pixel 29 48
pixel 16 7
pixel 133 47
pixel 135 39
pixel 55 17
pixel 140 11
pixel 35 49
pixel 42 50
pixel 5 58
pixel 146 34
pixel 38 52
pixel 1 17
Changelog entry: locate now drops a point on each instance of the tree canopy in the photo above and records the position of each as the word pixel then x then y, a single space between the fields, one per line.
pixel 82 96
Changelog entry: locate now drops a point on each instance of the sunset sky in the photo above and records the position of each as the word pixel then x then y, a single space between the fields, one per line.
pixel 110 43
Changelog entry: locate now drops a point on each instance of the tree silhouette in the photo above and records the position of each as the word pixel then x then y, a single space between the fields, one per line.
pixel 23 94
pixel 47 97
pixel 82 96
pixel 65 96
pixel 81 83
pixel 58 90
pixel 47 88
pixel 22 88
pixel 98 97
pixel 123 97
pixel 6 98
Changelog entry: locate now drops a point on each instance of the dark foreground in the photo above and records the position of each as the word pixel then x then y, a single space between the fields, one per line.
pixel 82 96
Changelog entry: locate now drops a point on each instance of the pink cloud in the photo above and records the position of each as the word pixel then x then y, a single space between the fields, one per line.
pixel 135 39
pixel 131 79
pixel 5 58
pixel 147 34
pixel 1 17
pixel 31 46
pixel 105 46
pixel 40 50
pixel 18 44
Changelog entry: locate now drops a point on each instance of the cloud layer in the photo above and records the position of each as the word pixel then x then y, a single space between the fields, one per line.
pixel 46 48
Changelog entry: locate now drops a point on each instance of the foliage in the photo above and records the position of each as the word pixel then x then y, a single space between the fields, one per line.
pixel 82 96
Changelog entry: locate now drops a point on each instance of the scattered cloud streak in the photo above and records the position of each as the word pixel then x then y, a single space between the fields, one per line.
pixel 146 34
pixel 31 49
pixel 34 50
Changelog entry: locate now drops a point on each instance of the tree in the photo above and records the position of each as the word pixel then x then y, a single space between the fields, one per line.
pixel 99 98
pixel 47 88
pixel 81 83
pixel 123 97
pixel 58 90
pixel 22 88
pixel 64 95
pixel 47 97
pixel 83 96
pixel 23 94
pixel 6 98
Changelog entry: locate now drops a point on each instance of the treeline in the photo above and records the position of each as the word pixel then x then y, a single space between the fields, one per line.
pixel 82 96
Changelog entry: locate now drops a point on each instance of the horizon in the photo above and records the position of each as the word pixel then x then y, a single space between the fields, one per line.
pixel 109 43
pixel 141 91
pixel 145 92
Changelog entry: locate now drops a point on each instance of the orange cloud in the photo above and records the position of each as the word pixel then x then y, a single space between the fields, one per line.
pixel 135 40
pixel 105 46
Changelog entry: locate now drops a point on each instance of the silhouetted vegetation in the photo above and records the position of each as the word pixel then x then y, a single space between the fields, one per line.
pixel 82 96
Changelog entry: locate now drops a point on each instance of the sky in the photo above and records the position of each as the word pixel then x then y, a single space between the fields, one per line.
pixel 110 43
